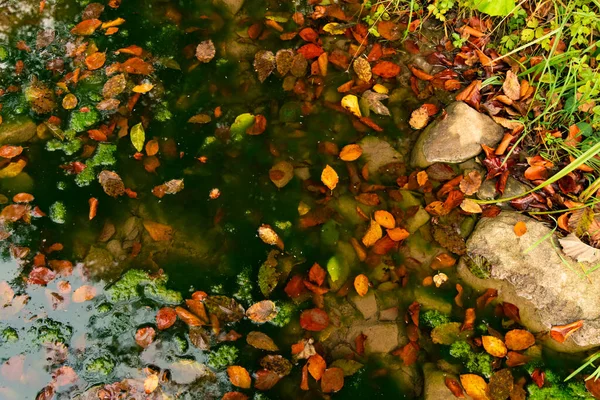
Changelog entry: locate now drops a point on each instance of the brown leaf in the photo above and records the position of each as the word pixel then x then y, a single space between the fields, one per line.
pixel 261 341
pixel 494 346
pixel 470 184
pixel 200 119
pixel 511 86
pixel 386 69
pixel 361 284
pixel 197 308
pixel 145 336
pixel 111 183
pixel 269 236
pixel 314 320
pixel 281 173
pixel 419 118
pixel 187 317
pixel 264 64
pixel 362 69
pixel 137 66
pixel 158 232
pixel 205 51
pixel 265 379
pixel 114 86
pixel 261 312
pixel 317 274
pixel 316 366
pixel 560 333
pixel 239 377
pixel 332 380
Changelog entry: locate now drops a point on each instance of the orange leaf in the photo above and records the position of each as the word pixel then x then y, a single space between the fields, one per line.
pixel 317 274
pixel 351 152
pixel 332 380
pixel 84 293
pixel 137 66
pixel 87 27
pixel 316 366
pixel 373 234
pixel 385 219
pixel 95 61
pixel 310 51
pixel 158 232
pixel 165 318
pixel 93 202
pixel 494 346
pixel 408 353
pixel 454 387
pixel 314 320
pixel 361 284
pixel 519 339
pixel 8 151
pixel 475 386
pixel 23 198
pixel 520 228
pixel 386 69
pixel 152 147
pixel 187 317
pixel 329 177
pixel 560 333
pixel 398 234
pixel 239 377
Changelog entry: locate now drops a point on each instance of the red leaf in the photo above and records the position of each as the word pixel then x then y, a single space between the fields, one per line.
pixel 409 353
pixel 386 69
pixel 165 318
pixel 295 287
pixel 538 377
pixel 309 35
pixel 310 51
pixel 145 336
pixel 314 320
pixel 40 276
pixel 317 274
pixel 560 333
pixel 8 151
pixel 265 379
pixel 454 387
pixel 359 342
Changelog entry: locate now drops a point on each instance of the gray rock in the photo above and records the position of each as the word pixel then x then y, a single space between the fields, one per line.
pixel 231 6
pixel 435 383
pixel 237 48
pixel 487 190
pixel 456 137
pixel 17 132
pixel 367 304
pixel 378 152
pixel 536 277
pixel 382 337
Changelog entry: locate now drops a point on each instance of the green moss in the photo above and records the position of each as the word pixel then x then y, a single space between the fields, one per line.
pixel 162 113
pixel 81 121
pixel 3 53
pixel 58 212
pixel 160 293
pixel 104 156
pixel 85 177
pixel 223 357
pixel 474 362
pixel 9 335
pixel 433 318
pixel 69 147
pixel 127 288
pixel 181 344
pixel 479 266
pixel 104 308
pixel 103 365
pixel 285 312
pixel 571 391
pixel 51 331
pixel 245 286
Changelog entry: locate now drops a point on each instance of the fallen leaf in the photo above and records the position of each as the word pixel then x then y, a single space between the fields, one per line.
pixel 470 206
pixel 470 184
pixel 269 236
pixel 165 318
pixel 362 69
pixel 385 219
pixel 520 228
pixel 494 346
pixel 150 383
pixel 373 234
pixel 84 293
pixel 519 339
pixel 409 353
pixel 374 101
pixel 239 377
pixel 112 183
pixel 265 379
pixel 8 151
pixel 69 102
pixel 475 386
pixel 143 88
pixel 316 366
pixel 560 333
pixel 234 396
pixel 386 69
pixel 511 86
pixel 145 336
pixel 314 320
pixel 13 169
pixel 261 312
pixel 332 380
pixel 187 317
pixel 261 341
pixel 350 103
pixel 93 203
pixel 114 86
pixel 361 284
pixel 350 152
pixel 419 118
pixel 95 61
pixel 454 387
pixel 86 27
pixel 398 234
pixel 23 198
pixel 205 51
pixel 200 119
pixel 329 177
pixel 136 66
pixel 310 51
pixel 138 136
pixel 281 173
pixel 264 64
pixel 152 147
pixel 317 274
pixel 439 279
pixel 158 232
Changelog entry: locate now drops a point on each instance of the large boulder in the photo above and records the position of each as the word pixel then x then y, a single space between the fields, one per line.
pixel 532 273
pixel 17 132
pixel 455 137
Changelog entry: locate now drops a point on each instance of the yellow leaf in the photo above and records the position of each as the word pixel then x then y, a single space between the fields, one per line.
pixel 239 377
pixel 334 28
pixel 350 103
pixel 269 236
pixel 150 383
pixel 385 219
pixel 422 178
pixel 363 69
pixel 13 169
pixel 380 89
pixel 158 232
pixel 351 152
pixel 143 88
pixel 494 346
pixel 329 177
pixel 475 386
pixel 361 284
pixel 470 206
pixel 114 22
pixel 373 234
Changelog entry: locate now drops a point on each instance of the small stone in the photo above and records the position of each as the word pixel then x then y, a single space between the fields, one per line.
pixel 367 304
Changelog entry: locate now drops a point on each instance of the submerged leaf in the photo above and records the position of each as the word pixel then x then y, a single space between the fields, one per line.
pixel 361 284
pixel 261 341
pixel 329 177
pixel 111 183
pixel 264 64
pixel 314 320
pixel 281 173
pixel 263 311
pixel 350 103
pixel 138 136
pixel 205 51
pixel 374 101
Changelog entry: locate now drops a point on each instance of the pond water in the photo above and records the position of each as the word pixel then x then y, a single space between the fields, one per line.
pixel 212 245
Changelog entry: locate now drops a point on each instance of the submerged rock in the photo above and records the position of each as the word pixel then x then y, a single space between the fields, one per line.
pixel 231 6
pixel 531 272
pixel 17 132
pixel 455 137
pixel 435 383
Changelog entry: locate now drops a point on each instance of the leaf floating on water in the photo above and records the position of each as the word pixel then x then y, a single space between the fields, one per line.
pixel 95 61
pixel 114 86
pixel 111 183
pixel 269 236
pixel 439 279
pixel 13 169
pixel 84 293
pixel 398 234
pixel 150 383
pixel 205 51
pixel 560 333
pixel 261 312
pixel 239 377
pixel 138 136
pixel 475 386
pixel 158 232
pixel 260 124
pixel 240 125
pixel 190 319
pixel 143 88
pixel 334 28
pixel 264 64
pixel 361 284
pixel 171 187
pixel 329 177
pixel 234 396
pixel 145 336
pixel 87 27
pixel 350 103
pixel 494 346
pixel 281 173
pixel 316 366
pixel 165 318
pixel 261 341
pixel 351 152
pixel 363 69
pixel 386 69
pixel 374 101
pixel 373 234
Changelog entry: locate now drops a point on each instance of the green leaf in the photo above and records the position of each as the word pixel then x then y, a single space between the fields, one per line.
pixel 268 278
pixel 495 8
pixel 334 268
pixel 138 136
pixel 241 123
pixel 527 35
